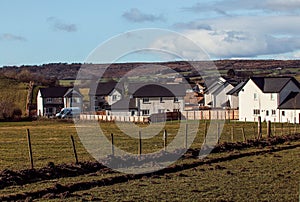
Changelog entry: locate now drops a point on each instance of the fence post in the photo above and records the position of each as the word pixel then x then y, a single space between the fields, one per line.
pixel 186 136
pixel 274 131
pixel 254 133
pixel 29 148
pixel 281 129
pixel 259 132
pixel 232 133
pixel 140 143
pixel 244 136
pixel 74 149
pixel 269 129
pixel 218 132
pixel 165 140
pixel 205 132
pixel 112 145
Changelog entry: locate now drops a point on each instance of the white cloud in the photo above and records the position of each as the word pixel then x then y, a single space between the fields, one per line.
pixel 12 37
pixel 58 25
pixel 228 7
pixel 135 15
pixel 245 36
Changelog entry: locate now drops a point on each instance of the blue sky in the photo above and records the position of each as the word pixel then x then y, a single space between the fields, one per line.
pixel 37 32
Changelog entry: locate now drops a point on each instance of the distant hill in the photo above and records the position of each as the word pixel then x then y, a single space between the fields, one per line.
pixel 64 71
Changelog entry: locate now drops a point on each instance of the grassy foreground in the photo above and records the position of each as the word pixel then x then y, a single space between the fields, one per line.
pixel 51 139
pixel 271 176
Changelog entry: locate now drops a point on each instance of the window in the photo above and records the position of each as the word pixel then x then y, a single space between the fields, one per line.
pixel 255 96
pixel 161 111
pixel 176 99
pixel 272 96
pixel 95 98
pixel 114 97
pixel 273 112
pixel 283 113
pixel 256 111
pixel 267 113
pixel 60 100
pixel 176 110
pixel 49 100
pixel 145 112
pixel 161 99
pixel 146 100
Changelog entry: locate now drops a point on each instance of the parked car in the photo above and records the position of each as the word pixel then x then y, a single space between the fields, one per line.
pixel 69 112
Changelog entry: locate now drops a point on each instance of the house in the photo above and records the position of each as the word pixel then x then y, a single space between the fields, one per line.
pixel 289 109
pixel 233 95
pixel 51 100
pixel 150 99
pixel 104 95
pixel 215 93
pixel 267 97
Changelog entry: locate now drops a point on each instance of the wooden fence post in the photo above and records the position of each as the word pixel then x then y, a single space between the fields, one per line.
pixel 274 131
pixel 281 129
pixel 205 132
pixel 165 140
pixel 30 149
pixel 112 145
pixel 140 143
pixel 259 131
pixel 269 129
pixel 186 136
pixel 232 134
pixel 74 149
pixel 244 136
pixel 218 132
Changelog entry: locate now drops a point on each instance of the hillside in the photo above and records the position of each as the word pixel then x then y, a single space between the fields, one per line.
pixel 64 71
pixel 13 95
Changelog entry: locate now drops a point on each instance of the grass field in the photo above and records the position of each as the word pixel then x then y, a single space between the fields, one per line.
pixel 269 176
pixel 52 138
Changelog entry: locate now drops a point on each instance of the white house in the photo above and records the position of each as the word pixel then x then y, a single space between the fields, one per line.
pixel 263 96
pixel 51 100
pixel 289 109
pixel 233 95
pixel 215 94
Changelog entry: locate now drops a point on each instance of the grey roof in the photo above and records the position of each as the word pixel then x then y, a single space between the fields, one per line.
pixel 125 103
pixel 236 89
pixel 272 84
pixel 291 102
pixel 155 90
pixel 54 92
pixel 102 89
pixel 71 92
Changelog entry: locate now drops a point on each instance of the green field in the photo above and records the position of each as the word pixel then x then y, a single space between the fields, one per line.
pixel 52 137
pixel 268 176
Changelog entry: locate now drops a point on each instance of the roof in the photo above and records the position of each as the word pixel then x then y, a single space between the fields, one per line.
pixel 236 89
pixel 272 84
pixel 71 92
pixel 102 89
pixel 124 104
pixel 154 90
pixel 54 92
pixel 291 102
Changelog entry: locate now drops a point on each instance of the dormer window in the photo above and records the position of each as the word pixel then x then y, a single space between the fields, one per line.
pixel 255 96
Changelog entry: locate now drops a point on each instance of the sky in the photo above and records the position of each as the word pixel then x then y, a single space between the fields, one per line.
pixel 38 32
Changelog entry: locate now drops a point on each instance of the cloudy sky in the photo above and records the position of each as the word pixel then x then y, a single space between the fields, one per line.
pixel 37 32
